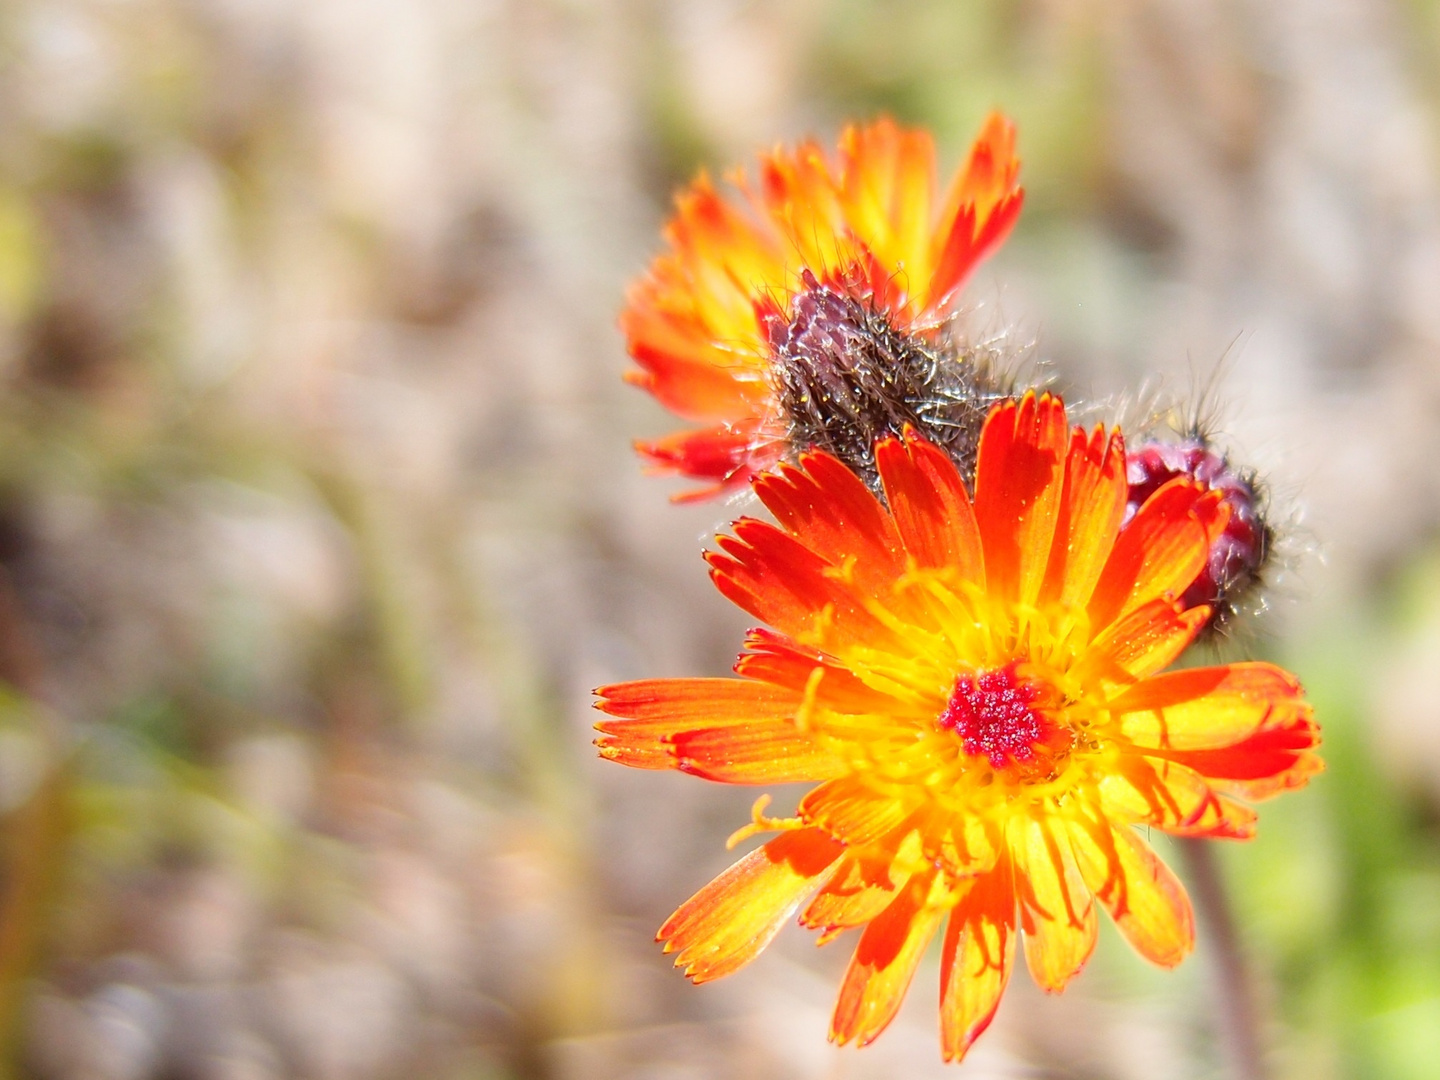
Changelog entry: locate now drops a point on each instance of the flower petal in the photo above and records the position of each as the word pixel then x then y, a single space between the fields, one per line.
pixel 729 454
pixel 1204 708
pixel 829 509
pixel 775 659
pixel 678 365
pixel 976 960
pixel 1019 481
pixel 724 258
pixel 962 845
pixel 887 189
pixel 1160 552
pixel 1149 638
pixel 694 309
pixel 1172 797
pixel 1279 756
pixel 798 193
pixel 1057 910
pixel 722 729
pixel 1295 774
pixel 931 508
pixel 727 923
pixel 780 581
pixel 884 963
pixel 659 707
pixel 1091 509
pixel 859 890
pixel 1145 899
pixel 981 208
pixel 770 752
pixel 852 811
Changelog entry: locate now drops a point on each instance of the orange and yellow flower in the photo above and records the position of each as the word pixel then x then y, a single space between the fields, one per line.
pixel 870 226
pixel 976 687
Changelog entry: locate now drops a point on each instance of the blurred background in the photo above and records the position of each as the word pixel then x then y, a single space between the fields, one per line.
pixel 318 519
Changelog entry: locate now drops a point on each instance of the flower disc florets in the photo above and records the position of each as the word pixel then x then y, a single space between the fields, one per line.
pixel 974 687
pixel 1000 716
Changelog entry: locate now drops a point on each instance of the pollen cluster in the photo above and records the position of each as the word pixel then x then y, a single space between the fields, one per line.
pixel 993 713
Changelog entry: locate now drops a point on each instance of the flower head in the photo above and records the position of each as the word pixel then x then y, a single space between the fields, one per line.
pixel 819 283
pixel 975 687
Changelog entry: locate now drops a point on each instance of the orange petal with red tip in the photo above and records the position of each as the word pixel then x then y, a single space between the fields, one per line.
pixel 770 752
pixel 1091 509
pixel 695 306
pixel 1277 757
pixel 976 961
pixel 1019 480
pixel 729 454
pixel 1204 708
pixel 887 191
pixel 721 729
pixel 780 581
pixel 1171 797
pixel 1160 552
pixel 981 208
pixel 1145 899
pixel 1289 773
pixel 859 890
pixel 1146 640
pixel 971 241
pixel 798 195
pixel 727 923
pixel 774 658
pixel 989 175
pixel 665 706
pixel 682 375
pixel 849 809
pixel 724 258
pixel 829 509
pixel 1056 908
pixel 884 963
pixel 931 508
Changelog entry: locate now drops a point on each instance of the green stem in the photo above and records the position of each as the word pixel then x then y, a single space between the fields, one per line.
pixel 1237 1019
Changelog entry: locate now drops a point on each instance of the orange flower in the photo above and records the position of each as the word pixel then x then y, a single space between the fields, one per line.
pixel 975 687
pixel 701 322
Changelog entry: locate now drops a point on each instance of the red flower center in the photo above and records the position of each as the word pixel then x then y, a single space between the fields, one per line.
pixel 992 713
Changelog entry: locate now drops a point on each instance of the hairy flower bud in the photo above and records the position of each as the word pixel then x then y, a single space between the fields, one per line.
pixel 1238 557
pixel 846 376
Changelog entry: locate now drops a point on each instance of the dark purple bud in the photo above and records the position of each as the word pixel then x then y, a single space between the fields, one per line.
pixel 1239 555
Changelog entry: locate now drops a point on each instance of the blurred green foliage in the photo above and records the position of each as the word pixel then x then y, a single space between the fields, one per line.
pixel 1341 893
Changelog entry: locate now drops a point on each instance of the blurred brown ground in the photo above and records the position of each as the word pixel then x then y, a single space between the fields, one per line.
pixel 318 520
